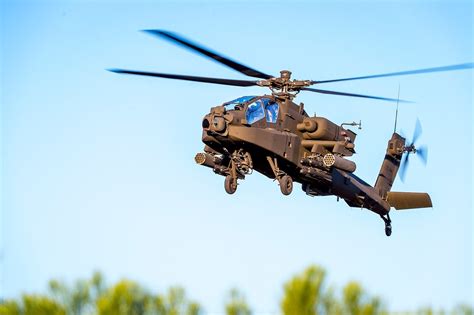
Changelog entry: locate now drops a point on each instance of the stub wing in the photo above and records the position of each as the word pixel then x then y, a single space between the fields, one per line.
pixel 408 200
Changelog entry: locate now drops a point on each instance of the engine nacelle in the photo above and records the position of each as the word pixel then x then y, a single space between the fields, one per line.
pixel 319 128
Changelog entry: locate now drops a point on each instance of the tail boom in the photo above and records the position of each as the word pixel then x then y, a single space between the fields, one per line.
pixel 390 165
pixel 387 175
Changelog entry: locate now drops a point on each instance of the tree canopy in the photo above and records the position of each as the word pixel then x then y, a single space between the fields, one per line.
pixel 306 293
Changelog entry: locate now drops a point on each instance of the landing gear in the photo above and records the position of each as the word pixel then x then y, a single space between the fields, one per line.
pixel 286 184
pixel 230 184
pixel 239 166
pixel 388 225
pixel 284 180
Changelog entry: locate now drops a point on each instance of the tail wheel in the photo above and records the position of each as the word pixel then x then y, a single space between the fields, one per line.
pixel 286 185
pixel 230 185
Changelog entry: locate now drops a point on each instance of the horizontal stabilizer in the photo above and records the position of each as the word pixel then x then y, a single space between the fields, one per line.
pixel 408 200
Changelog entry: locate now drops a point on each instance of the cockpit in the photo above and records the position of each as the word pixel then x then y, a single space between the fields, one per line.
pixel 262 108
pixel 239 103
pixel 258 107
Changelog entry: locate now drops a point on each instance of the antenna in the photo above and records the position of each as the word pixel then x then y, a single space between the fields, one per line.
pixel 396 112
pixel 359 125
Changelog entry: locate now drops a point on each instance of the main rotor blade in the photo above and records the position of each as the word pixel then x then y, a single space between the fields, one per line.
pixel 462 66
pixel 188 78
pixel 355 95
pixel 208 53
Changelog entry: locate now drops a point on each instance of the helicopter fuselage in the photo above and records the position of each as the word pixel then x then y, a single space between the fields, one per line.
pixel 286 142
pixel 276 137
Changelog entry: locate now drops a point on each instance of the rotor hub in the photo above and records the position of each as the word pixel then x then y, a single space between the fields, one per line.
pixel 283 86
pixel 285 74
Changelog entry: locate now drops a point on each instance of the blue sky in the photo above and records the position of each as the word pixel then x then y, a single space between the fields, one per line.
pixel 98 170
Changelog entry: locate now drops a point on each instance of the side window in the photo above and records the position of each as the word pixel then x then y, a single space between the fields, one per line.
pixel 271 111
pixel 254 112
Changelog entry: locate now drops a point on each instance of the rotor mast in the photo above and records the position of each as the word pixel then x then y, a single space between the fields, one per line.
pixel 283 86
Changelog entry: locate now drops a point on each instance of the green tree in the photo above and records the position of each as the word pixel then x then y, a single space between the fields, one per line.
pixel 10 307
pixel 125 298
pixel 306 294
pixel 76 300
pixel 330 303
pixel 236 304
pixel 303 293
pixel 463 309
pixel 175 302
pixel 357 302
pixel 32 305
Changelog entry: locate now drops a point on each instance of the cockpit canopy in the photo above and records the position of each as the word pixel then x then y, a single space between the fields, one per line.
pixel 257 108
pixel 239 101
pixel 260 108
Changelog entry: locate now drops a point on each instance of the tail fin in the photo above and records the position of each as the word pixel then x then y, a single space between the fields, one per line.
pixel 390 165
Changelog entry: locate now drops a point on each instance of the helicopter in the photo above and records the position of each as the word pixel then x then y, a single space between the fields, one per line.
pixel 275 136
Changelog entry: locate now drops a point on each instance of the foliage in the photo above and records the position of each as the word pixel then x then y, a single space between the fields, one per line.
pixel 461 309
pixel 304 294
pixel 92 296
pixel 32 305
pixel 175 303
pixel 124 298
pixel 357 302
pixel 236 304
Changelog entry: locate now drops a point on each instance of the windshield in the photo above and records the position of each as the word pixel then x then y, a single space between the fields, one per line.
pixel 239 101
pixel 254 112
pixel 261 108
pixel 271 109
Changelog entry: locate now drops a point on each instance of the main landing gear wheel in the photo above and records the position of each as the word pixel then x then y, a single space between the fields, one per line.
pixel 230 185
pixel 388 229
pixel 286 185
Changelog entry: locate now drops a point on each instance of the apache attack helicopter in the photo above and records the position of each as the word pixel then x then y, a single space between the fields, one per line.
pixel 273 135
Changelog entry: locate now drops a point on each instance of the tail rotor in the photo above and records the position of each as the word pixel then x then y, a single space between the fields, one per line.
pixel 421 152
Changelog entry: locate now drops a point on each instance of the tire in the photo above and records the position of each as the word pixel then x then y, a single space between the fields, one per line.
pixel 286 185
pixel 229 185
pixel 388 230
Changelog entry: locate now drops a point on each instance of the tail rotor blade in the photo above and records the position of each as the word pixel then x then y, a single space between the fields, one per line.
pixel 410 148
pixel 417 132
pixel 403 167
pixel 422 152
